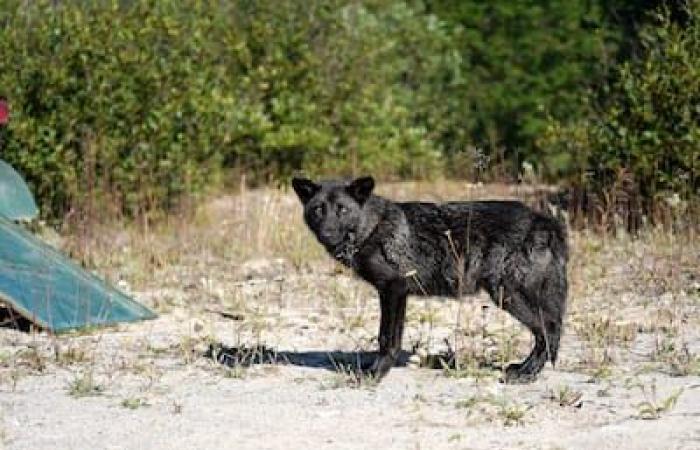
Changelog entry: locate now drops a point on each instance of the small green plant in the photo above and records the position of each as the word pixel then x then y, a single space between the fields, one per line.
pixel 468 402
pixel 84 385
pixel 600 372
pixel 678 358
pixel 134 403
pixel 511 413
pixel 353 321
pixel 566 396
pixel 652 408
pixel 469 362
pixel 470 370
pixel 236 372
pixel 454 437
pixel 157 350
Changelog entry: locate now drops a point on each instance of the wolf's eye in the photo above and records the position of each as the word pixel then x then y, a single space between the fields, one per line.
pixel 342 210
pixel 318 211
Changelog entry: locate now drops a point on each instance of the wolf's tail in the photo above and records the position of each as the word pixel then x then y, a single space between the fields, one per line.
pixel 559 240
pixel 549 234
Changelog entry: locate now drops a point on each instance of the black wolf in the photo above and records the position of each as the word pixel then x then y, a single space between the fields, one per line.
pixel 517 255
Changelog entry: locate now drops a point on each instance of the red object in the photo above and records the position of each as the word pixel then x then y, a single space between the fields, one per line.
pixel 4 112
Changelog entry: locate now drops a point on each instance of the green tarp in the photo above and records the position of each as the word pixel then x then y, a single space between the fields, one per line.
pixel 50 290
pixel 16 202
pixel 40 283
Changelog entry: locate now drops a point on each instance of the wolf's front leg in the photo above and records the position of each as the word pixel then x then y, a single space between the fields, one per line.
pixel 393 314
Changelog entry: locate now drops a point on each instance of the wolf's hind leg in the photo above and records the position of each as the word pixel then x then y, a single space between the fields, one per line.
pixel 545 331
pixel 527 371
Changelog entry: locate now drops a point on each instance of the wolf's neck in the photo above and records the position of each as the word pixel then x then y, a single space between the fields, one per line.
pixel 373 211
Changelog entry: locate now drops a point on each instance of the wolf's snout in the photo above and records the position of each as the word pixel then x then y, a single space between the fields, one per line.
pixel 328 237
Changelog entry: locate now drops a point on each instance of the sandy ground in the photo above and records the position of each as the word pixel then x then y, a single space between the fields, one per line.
pixel 290 408
pixel 149 385
pixel 628 376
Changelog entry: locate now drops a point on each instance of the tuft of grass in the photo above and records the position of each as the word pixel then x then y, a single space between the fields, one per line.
pixel 31 358
pixel 512 413
pixel 349 376
pixel 134 403
pixel 469 402
pixel 191 347
pixel 353 321
pixel 600 371
pixel 677 357
pixel 564 395
pixel 236 372
pixel 5 358
pixel 652 407
pixel 471 370
pixel 84 385
pixel 509 412
pixel 602 331
pixel 73 355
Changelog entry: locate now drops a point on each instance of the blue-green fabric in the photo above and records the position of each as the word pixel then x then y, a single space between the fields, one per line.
pixel 16 201
pixel 50 290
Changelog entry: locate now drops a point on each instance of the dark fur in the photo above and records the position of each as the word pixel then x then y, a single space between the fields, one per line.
pixel 517 255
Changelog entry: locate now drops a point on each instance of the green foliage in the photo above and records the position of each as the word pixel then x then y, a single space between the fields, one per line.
pixel 111 100
pixel 131 105
pixel 524 62
pixel 135 103
pixel 647 127
pixel 337 93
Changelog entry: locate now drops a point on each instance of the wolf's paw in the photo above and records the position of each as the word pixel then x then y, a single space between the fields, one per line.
pixel 380 367
pixel 518 373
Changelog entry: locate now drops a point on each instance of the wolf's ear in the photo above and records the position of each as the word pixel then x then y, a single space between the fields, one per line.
pixel 360 189
pixel 305 189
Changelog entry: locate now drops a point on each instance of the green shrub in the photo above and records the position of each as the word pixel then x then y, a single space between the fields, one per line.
pixel 111 100
pixel 645 132
pixel 135 103
pixel 522 61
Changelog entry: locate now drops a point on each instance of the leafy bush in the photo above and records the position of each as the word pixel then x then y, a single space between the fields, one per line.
pixel 111 100
pixel 135 103
pixel 645 132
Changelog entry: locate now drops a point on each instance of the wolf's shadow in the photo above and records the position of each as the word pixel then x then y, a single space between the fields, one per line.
pixel 328 360
pixel 358 361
